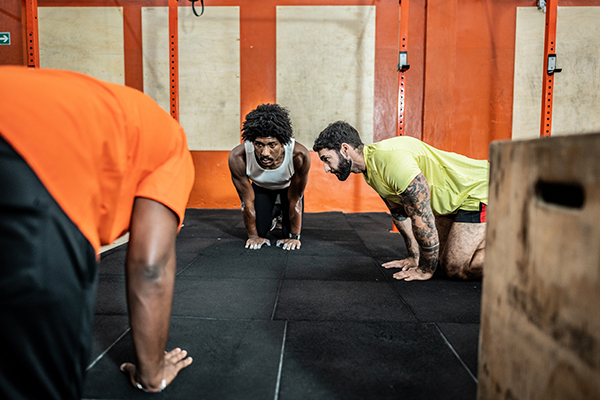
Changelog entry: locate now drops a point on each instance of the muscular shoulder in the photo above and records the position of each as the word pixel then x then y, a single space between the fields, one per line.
pixel 237 159
pixel 301 158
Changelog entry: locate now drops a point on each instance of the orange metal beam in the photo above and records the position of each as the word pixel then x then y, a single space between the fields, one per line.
pixel 402 68
pixel 402 65
pixel 32 48
pixel 549 66
pixel 174 59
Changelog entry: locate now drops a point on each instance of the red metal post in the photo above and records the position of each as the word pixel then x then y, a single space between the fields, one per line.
pixel 549 53
pixel 402 65
pixel 174 59
pixel 32 46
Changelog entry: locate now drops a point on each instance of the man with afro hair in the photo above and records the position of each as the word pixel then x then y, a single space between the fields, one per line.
pixel 270 167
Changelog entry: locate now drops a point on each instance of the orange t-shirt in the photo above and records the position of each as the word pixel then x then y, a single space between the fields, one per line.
pixel 95 146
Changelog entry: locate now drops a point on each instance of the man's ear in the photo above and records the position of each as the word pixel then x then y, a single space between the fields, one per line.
pixel 345 150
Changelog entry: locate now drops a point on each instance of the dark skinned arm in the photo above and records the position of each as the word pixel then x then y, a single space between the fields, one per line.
pixel 150 272
pixel 237 167
pixel 296 195
pixel 416 201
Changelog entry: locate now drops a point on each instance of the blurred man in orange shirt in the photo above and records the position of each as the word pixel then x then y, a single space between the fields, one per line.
pixel 81 162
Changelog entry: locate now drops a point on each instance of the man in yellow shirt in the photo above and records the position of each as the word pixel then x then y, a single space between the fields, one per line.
pixel 437 199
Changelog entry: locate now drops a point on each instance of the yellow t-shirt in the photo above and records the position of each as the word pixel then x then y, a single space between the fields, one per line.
pixel 456 181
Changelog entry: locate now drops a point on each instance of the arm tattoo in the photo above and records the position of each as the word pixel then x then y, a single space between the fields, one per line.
pixel 416 200
pixel 396 210
pixel 408 241
pixel 398 216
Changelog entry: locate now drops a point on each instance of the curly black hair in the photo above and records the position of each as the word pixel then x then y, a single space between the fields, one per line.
pixel 268 120
pixel 336 133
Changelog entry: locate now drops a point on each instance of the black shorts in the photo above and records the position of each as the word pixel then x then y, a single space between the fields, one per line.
pixel 47 289
pixel 266 209
pixel 472 217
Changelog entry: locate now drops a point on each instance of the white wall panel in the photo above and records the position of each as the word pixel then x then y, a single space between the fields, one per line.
pixel 325 67
pixel 576 88
pixel 83 39
pixel 209 72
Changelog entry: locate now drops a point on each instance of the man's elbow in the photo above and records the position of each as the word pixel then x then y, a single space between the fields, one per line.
pixel 153 272
pixel 149 271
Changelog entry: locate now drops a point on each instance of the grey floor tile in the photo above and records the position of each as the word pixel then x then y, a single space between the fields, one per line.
pixel 232 360
pixel 194 244
pixel 225 298
pixel 342 248
pixel 113 262
pixel 325 220
pixel 380 360
pixel 442 300
pixel 250 266
pixel 359 268
pixel 464 339
pixel 301 300
pixel 330 235
pixel 184 260
pixel 384 245
pixel 111 299
pixel 381 222
pixel 107 329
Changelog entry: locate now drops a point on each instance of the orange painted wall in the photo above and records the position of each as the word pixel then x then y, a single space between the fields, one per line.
pixel 214 189
pixel 459 88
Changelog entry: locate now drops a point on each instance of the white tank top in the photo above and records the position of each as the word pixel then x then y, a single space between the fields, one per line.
pixel 272 179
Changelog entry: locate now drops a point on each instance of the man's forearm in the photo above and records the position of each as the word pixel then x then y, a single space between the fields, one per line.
pixel 150 296
pixel 296 215
pixel 405 228
pixel 429 259
pixel 249 217
pixel 426 235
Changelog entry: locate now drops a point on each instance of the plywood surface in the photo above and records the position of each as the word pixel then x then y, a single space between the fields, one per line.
pixel 83 39
pixel 540 321
pixel 325 67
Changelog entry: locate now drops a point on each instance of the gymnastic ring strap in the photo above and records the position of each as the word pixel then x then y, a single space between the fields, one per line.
pixel 194 8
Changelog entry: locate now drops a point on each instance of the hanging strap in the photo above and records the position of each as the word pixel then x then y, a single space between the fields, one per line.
pixel 194 8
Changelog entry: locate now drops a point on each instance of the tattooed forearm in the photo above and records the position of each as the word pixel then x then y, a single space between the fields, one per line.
pixel 410 247
pixel 416 201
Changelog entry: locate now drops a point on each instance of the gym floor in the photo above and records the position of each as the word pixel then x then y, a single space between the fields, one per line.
pixel 324 322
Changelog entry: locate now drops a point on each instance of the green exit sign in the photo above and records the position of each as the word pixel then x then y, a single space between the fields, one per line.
pixel 4 38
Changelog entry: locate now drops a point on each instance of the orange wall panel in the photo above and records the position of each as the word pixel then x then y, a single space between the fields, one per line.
pixel 325 192
pixel 257 54
pixel 212 187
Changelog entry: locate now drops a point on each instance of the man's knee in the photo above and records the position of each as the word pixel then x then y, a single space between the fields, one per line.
pixel 455 270
pixel 463 269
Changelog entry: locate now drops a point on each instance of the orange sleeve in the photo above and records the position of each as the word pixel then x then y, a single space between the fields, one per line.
pixel 159 164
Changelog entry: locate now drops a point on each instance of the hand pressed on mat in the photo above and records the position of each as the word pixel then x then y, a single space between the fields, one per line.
pixel 174 361
pixel 409 270
pixel 289 244
pixel 255 243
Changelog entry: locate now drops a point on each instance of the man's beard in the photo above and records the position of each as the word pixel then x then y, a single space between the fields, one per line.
pixel 343 170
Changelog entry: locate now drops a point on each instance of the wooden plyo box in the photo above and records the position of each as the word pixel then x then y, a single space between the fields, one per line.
pixel 540 311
